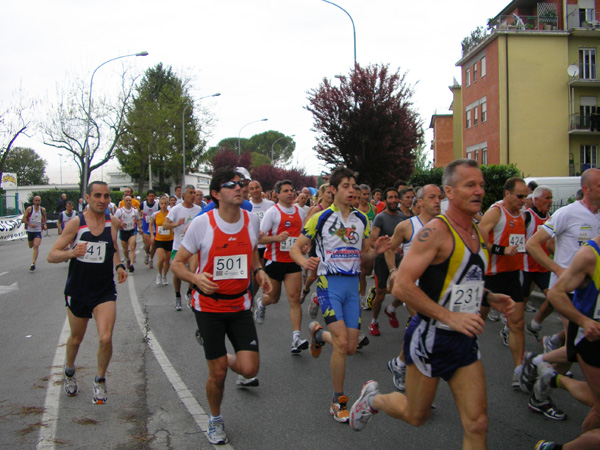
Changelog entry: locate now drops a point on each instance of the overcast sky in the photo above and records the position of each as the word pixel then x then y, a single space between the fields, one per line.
pixel 261 55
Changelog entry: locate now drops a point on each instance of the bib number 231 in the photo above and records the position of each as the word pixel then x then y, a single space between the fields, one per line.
pixel 466 298
pixel 233 267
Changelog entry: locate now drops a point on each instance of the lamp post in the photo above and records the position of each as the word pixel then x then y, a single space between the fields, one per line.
pixel 353 27
pixel 183 132
pixel 273 144
pixel 60 165
pixel 86 148
pixel 240 132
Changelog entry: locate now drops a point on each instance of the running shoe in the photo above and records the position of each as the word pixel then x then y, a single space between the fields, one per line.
pixel 315 347
pixel 246 382
pixel 259 312
pixel 363 341
pixel 216 432
pixel 530 308
pixel 398 374
pixel 188 300
pixel 99 392
pixel 339 410
pixel 178 303
pixel 392 317
pixel 361 412
pixel 545 445
pixel 131 268
pixel 164 280
pixel 542 387
pixel 374 329
pixel 515 377
pixel 504 332
pixel 32 267
pixel 532 331
pixel 369 301
pixel 146 259
pixel 548 345
pixel 313 307
pixel 151 264
pixel 159 280
pixel 299 344
pixel 547 408
pixel 528 374
pixel 70 385
pixel 493 315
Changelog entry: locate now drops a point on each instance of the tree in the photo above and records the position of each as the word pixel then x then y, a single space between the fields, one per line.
pixel 27 164
pixel 367 123
pixel 14 120
pixel 421 157
pixel 67 123
pixel 161 106
pixel 268 175
pixel 229 158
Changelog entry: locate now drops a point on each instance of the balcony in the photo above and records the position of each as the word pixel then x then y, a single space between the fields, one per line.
pixel 587 74
pixel 547 22
pixel 580 20
pixel 584 124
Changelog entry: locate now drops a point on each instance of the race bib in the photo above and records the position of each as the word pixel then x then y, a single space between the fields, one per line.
pixel 148 219
pixel 127 226
pixel 286 245
pixel 95 252
pixel 518 240
pixel 466 298
pixel 232 267
pixel 163 232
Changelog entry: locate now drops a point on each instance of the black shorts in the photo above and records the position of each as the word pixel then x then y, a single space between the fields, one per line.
pixel 278 270
pixel 165 245
pixel 31 235
pixel 261 252
pixel 508 283
pixel 83 309
pixel 238 327
pixel 588 350
pixel 382 273
pixel 541 279
pixel 124 235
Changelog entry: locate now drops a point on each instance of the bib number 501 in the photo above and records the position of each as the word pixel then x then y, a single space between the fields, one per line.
pixel 230 267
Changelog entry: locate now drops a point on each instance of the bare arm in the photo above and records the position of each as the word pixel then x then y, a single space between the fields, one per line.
pixel 58 253
pixel 489 220
pixel 114 229
pixel 43 218
pixel 169 225
pixel 297 255
pixel 25 218
pixel 534 248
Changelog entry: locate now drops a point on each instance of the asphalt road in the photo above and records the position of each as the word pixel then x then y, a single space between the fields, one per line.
pixel 154 347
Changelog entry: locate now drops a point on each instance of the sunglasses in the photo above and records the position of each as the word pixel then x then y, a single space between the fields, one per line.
pixel 233 184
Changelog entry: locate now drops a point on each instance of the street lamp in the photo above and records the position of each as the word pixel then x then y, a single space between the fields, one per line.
pixel 60 164
pixel 183 131
pixel 86 148
pixel 254 121
pixel 273 144
pixel 353 28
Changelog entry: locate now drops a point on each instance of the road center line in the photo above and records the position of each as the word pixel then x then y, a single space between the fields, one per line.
pixel 185 395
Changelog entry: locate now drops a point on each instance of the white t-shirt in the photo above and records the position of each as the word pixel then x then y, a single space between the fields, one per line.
pixel 304 208
pixel 260 209
pixel 571 225
pixel 181 212
pixel 200 234
pixel 128 217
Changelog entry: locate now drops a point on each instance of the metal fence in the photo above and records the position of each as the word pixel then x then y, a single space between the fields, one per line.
pixel 9 204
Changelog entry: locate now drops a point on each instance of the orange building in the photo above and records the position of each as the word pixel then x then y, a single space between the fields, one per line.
pixel 443 141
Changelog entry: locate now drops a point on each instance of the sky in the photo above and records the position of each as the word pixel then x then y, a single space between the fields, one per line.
pixel 263 56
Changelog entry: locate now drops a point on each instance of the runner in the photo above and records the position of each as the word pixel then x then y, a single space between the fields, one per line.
pixel 369 210
pixel 149 207
pixel 90 289
pixel 341 237
pixel 134 201
pixel 259 207
pixel 34 219
pixel 449 259
pixel 130 223
pixel 177 220
pixel 281 226
pixel 224 240
pixel 65 216
pixel 506 227
pixel 162 240
pixel 406 195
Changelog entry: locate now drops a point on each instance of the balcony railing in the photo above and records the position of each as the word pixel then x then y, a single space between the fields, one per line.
pixel 517 22
pixel 576 20
pixel 585 122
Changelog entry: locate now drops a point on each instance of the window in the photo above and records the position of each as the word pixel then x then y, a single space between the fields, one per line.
pixel 587 107
pixel 469 118
pixel 588 157
pixel 474 72
pixel 483 112
pixel 484 156
pixel 586 15
pixel 587 63
pixel 475 116
pixel 468 77
pixel 483 71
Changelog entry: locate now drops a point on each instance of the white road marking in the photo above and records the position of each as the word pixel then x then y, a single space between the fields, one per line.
pixel 52 400
pixel 185 395
pixel 6 289
pixel 3 273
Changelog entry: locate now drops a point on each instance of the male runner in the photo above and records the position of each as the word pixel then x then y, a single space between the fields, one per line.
pixel 281 226
pixel 65 216
pixel 134 201
pixel 177 220
pixel 341 236
pixel 90 290
pixel 224 240
pixel 130 223
pixel 260 206
pixel 149 207
pixel 506 227
pixel 34 219
pixel 406 195
pixel 449 259
pixel 178 195
pixel 366 268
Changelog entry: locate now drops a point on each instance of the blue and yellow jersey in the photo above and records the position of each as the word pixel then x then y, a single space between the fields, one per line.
pixel 337 242
pixel 586 300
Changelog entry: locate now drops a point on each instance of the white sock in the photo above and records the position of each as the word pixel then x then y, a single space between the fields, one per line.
pixel 373 321
pixel 399 362
pixel 537 360
pixel 390 309
pixel 536 326
pixel 295 335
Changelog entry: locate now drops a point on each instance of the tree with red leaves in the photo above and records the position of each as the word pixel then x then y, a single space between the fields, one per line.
pixel 268 175
pixel 368 123
pixel 229 158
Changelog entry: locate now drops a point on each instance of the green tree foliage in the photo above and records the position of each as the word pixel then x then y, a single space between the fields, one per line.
pixel 421 157
pixel 27 164
pixel 154 129
pixel 368 123
pixel 422 177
